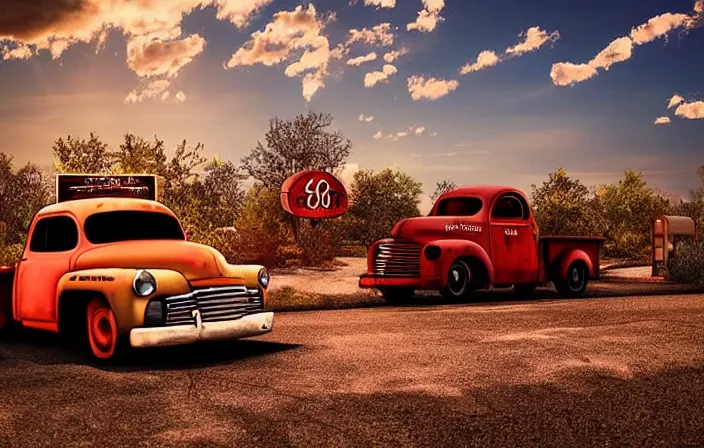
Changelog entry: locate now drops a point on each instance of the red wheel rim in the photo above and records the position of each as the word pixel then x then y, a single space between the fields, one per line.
pixel 102 329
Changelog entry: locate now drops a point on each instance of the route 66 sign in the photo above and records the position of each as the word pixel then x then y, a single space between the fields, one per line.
pixel 314 194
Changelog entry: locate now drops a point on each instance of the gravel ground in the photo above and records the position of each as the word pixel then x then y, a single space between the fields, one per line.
pixel 604 372
pixel 316 289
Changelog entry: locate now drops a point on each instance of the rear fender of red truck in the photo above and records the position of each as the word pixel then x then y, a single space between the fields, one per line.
pixel 450 251
pixel 572 255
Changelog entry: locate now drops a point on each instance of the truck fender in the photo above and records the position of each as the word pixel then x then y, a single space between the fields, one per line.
pixel 115 286
pixel 572 255
pixel 454 249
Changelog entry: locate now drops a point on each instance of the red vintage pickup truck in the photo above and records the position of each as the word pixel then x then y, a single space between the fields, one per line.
pixel 476 238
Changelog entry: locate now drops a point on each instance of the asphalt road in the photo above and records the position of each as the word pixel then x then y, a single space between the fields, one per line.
pixel 545 373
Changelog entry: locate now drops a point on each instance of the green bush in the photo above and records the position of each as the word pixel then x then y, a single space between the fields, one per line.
pixel 688 266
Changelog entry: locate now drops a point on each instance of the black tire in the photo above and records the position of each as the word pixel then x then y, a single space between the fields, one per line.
pixel 397 296
pixel 6 322
pixel 525 289
pixel 575 283
pixel 459 281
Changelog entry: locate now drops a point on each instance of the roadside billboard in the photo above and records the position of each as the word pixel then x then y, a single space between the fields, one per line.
pixel 81 186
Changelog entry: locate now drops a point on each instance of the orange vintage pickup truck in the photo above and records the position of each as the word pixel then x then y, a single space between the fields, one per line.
pixel 118 272
pixel 475 238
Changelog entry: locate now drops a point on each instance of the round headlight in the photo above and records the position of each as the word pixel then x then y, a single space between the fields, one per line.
pixel 263 277
pixel 432 252
pixel 144 283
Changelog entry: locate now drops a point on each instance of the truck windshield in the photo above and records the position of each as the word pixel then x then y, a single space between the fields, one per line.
pixel 111 227
pixel 459 207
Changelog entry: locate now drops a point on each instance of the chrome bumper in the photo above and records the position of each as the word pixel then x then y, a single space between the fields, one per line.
pixel 246 326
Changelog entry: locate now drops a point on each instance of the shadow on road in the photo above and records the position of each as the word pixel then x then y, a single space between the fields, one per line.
pixel 195 356
pixel 47 349
pixel 600 289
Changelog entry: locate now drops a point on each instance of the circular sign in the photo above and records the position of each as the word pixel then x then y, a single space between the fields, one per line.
pixel 314 194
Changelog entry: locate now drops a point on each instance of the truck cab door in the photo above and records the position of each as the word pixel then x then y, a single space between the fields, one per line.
pixel 513 241
pixel 52 242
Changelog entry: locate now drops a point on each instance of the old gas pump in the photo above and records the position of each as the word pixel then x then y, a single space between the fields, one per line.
pixel 668 234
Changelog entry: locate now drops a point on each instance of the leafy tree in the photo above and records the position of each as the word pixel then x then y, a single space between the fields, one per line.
pixel 629 208
pixel 295 145
pixel 204 201
pixel 221 194
pixel 694 207
pixel 442 188
pixel 22 193
pixel 78 155
pixel 378 201
pixel 565 206
pixel 138 156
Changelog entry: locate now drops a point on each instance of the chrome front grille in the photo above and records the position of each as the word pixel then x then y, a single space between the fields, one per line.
pixel 397 259
pixel 214 304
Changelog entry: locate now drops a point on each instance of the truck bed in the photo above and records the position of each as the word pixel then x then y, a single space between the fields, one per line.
pixel 552 246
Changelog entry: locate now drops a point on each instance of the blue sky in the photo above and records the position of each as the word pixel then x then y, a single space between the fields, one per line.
pixel 506 123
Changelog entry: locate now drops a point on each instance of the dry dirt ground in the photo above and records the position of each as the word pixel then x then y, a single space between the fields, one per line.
pixel 302 289
pixel 601 372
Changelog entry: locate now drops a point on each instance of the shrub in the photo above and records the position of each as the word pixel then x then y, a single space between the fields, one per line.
pixel 260 231
pixel 319 243
pixel 688 266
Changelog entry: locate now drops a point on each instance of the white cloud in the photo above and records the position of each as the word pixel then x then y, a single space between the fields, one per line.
pixel 662 120
pixel 362 59
pixel 20 51
pixel 485 59
pixel 566 73
pixel 619 50
pixel 699 7
pixel 391 56
pixel 153 29
pixel 379 35
pixel 180 96
pixel 374 78
pixel 534 38
pixel 148 56
pixel 238 12
pixel 380 3
pixel 288 32
pixel 659 26
pixel 430 88
pixel 428 17
pixel 675 100
pixel 368 119
pixel 151 90
pixel 412 131
pixel 691 111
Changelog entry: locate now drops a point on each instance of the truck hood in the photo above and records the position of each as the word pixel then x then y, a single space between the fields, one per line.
pixel 193 261
pixel 425 229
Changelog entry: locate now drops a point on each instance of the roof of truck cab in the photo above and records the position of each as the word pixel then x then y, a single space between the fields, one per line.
pixel 484 191
pixel 83 208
